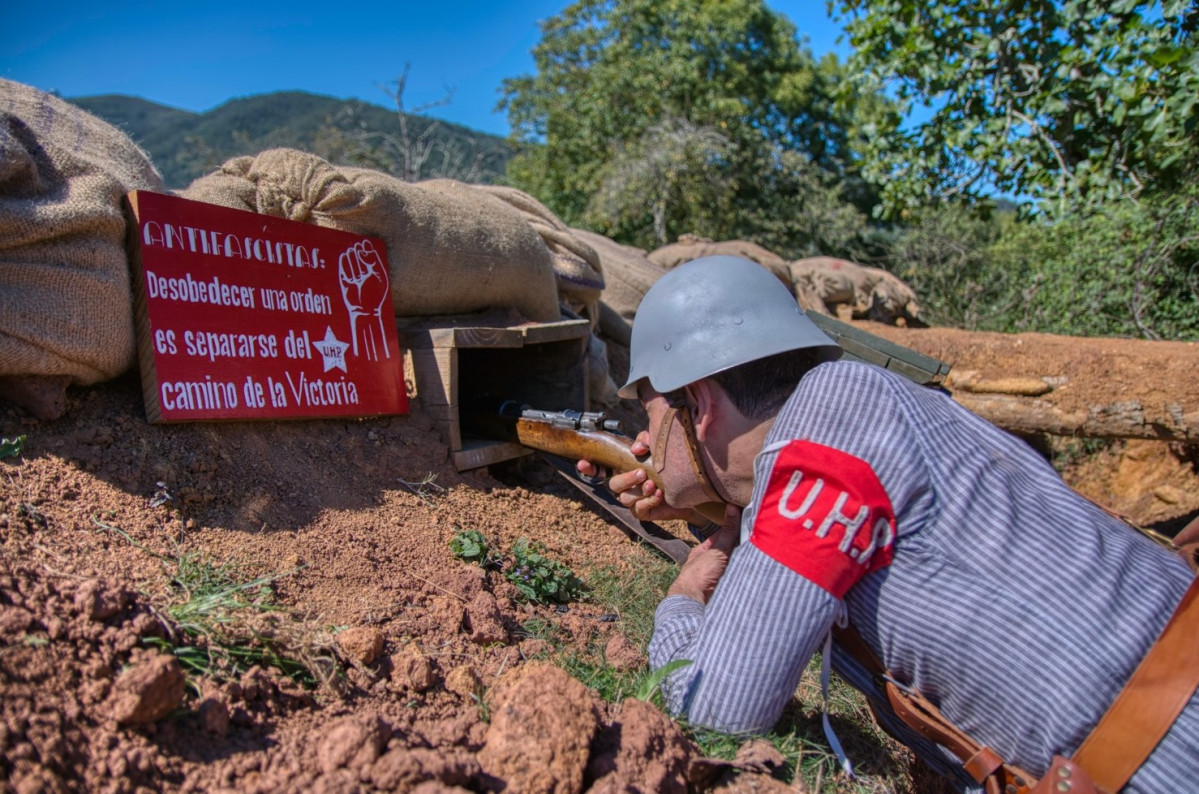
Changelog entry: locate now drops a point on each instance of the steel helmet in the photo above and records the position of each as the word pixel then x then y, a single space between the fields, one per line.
pixel 712 314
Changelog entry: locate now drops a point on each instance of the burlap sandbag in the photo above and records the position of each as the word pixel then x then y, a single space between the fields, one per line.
pixel 451 249
pixel 691 247
pixel 628 272
pixel 65 291
pixel 860 291
pixel 577 265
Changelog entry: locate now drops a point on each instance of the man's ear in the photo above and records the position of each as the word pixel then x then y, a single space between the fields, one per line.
pixel 705 407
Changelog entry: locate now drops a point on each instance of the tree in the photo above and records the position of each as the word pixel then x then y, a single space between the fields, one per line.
pixel 1066 102
pixel 405 153
pixel 671 175
pixel 723 85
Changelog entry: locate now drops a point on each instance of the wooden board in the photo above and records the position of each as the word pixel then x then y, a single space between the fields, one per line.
pixel 452 362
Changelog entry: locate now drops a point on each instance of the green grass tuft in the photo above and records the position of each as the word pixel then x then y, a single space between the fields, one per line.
pixel 220 624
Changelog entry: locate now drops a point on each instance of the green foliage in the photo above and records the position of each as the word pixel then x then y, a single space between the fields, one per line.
pixel 539 578
pixel 631 591
pixel 471 546
pixel 674 176
pixel 590 668
pixel 1128 271
pixel 945 257
pixel 214 629
pixel 11 447
pixel 650 118
pixel 650 688
pixel 219 624
pixel 1070 104
pixel 1131 270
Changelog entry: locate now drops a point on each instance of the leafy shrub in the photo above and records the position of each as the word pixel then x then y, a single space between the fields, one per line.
pixel 539 578
pixel 1130 270
pixel 471 546
pixel 944 257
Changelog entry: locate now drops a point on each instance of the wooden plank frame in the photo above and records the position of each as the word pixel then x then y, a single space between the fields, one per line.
pixel 450 360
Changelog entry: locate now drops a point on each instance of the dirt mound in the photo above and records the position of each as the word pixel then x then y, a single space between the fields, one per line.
pixel 346 521
pixel 1068 393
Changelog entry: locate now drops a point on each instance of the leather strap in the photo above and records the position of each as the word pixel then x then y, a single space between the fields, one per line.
pixel 1149 703
pixel 1129 730
pixel 678 410
pixel 919 714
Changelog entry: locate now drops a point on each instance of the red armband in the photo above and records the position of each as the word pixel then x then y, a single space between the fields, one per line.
pixel 825 516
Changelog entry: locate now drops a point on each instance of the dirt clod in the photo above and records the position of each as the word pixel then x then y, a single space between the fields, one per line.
pixel 363 644
pixel 353 742
pixel 622 654
pixel 464 681
pixel 412 669
pixel 403 769
pixel 99 600
pixel 148 691
pixel 486 623
pixel 542 724
pixel 641 751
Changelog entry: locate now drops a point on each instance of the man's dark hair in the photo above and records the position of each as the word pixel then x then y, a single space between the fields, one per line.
pixel 759 388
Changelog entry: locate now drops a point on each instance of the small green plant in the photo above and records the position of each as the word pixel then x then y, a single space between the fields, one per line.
pixel 539 578
pixel 650 690
pixel 471 546
pixel 11 447
pixel 220 625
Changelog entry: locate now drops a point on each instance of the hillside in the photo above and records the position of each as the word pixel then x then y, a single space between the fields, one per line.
pixel 185 145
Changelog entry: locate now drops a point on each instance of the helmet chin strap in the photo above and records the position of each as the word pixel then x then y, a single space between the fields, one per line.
pixel 678 410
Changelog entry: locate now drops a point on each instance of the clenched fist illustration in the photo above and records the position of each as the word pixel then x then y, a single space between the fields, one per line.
pixel 364 287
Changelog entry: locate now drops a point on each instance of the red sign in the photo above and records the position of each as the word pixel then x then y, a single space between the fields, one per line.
pixel 247 316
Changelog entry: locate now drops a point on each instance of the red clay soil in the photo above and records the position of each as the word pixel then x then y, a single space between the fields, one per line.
pixel 428 646
pixel 432 685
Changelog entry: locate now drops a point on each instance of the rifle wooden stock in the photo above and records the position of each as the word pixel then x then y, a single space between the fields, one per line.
pixel 608 450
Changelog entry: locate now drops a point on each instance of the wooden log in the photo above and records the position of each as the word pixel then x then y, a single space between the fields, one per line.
pixel 1063 385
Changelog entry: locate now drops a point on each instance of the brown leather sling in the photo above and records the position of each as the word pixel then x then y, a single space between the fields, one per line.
pixel 1129 730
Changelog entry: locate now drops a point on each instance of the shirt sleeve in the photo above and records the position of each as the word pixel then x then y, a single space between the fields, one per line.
pixel 747 649
pixel 819 521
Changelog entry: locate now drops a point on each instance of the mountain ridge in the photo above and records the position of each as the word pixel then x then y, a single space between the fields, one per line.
pixel 184 145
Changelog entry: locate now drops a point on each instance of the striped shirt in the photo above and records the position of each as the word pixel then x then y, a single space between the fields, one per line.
pixel 1011 602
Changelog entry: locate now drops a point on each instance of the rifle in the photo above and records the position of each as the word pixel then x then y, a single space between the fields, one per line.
pixel 587 435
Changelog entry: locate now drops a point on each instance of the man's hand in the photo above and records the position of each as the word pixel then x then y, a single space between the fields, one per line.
pixel 636 490
pixel 707 561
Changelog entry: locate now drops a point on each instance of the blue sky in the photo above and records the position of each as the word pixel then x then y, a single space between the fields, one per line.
pixel 197 55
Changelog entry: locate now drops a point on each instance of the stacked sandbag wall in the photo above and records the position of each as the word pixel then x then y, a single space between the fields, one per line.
pixel 65 288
